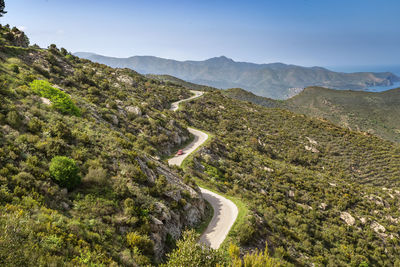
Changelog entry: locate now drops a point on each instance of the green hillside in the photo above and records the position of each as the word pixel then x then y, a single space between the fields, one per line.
pixel 317 193
pixel 82 183
pixel 70 123
pixel 374 113
pixel 176 81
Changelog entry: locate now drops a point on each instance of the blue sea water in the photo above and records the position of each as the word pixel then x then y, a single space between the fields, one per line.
pixel 395 69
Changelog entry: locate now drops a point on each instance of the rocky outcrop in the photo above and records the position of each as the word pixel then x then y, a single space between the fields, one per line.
pixel 349 220
pixel 171 222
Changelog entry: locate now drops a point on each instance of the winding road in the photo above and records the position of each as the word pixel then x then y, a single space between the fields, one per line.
pixel 225 211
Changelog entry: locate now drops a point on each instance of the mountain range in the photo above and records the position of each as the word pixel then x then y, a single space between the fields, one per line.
pixel 274 80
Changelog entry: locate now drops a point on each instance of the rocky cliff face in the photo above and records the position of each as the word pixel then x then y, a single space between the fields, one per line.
pixel 169 222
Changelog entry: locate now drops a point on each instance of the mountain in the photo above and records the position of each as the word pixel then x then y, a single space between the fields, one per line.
pixel 375 113
pixel 275 80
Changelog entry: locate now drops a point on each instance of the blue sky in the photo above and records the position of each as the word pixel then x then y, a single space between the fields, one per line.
pixel 304 32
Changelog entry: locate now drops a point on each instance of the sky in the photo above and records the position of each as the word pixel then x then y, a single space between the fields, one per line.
pixel 302 32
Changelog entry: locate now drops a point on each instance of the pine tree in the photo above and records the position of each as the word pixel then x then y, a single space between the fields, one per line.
pixel 2 6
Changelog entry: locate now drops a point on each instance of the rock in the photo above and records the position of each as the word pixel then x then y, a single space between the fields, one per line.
pixel 64 192
pixel 65 205
pixel 45 101
pixel 332 184
pixel 323 206
pixel 114 119
pixel 177 139
pixel 268 169
pixel 378 228
pixel 312 149
pixel 345 216
pixel 125 79
pixel 291 193
pixel 134 110
pixel 363 220
pixel 313 142
pixel 175 195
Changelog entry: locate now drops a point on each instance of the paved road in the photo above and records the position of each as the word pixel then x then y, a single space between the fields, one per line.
pixel 175 105
pixel 199 138
pixel 225 211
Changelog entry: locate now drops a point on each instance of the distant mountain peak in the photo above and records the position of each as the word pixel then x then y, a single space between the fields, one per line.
pixel 220 59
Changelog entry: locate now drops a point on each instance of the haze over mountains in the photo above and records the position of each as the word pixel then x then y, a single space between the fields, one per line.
pixel 275 80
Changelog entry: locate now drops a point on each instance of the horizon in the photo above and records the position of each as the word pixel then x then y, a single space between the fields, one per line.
pixel 395 68
pixel 305 33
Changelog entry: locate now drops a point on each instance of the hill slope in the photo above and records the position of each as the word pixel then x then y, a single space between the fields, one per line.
pixel 376 113
pixel 319 194
pixel 270 80
pixel 128 208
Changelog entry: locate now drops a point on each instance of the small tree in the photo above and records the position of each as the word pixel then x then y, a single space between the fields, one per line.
pixel 65 172
pixel 2 6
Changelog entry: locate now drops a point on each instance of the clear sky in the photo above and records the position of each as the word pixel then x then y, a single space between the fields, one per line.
pixel 303 32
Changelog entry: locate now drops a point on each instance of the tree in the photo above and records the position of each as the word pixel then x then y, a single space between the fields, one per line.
pixel 65 172
pixel 2 6
pixel 190 253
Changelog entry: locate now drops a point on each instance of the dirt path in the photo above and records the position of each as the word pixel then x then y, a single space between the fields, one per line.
pixel 225 211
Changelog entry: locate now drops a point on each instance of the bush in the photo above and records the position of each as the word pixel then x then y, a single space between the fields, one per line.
pixel 143 243
pixel 61 101
pixel 14 120
pixel 190 253
pixel 15 68
pixel 65 172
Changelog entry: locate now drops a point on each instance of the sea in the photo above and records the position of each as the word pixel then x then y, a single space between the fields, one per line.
pixel 395 69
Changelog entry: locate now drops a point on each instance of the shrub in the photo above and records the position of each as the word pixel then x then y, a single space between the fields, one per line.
pixel 65 172
pixel 190 253
pixel 13 119
pixel 15 68
pixel 143 243
pixel 61 101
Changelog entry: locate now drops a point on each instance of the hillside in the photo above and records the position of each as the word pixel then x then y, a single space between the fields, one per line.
pixel 375 113
pixel 318 194
pixel 127 208
pixel 84 179
pixel 275 80
pixel 176 81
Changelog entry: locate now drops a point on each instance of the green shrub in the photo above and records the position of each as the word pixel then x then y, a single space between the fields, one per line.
pixel 15 68
pixel 143 243
pixel 65 172
pixel 13 119
pixel 61 101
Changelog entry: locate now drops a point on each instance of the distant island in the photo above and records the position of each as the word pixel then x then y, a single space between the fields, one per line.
pixel 274 80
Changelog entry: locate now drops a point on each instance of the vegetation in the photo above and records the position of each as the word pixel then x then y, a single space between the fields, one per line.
pixel 2 6
pixel 60 100
pixel 316 192
pixel 110 216
pixel 64 172
pixel 312 192
pixel 374 113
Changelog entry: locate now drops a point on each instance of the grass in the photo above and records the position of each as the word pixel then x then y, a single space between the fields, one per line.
pixel 209 213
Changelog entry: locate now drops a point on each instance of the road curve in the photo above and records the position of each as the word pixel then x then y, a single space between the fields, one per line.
pixel 225 211
pixel 175 105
